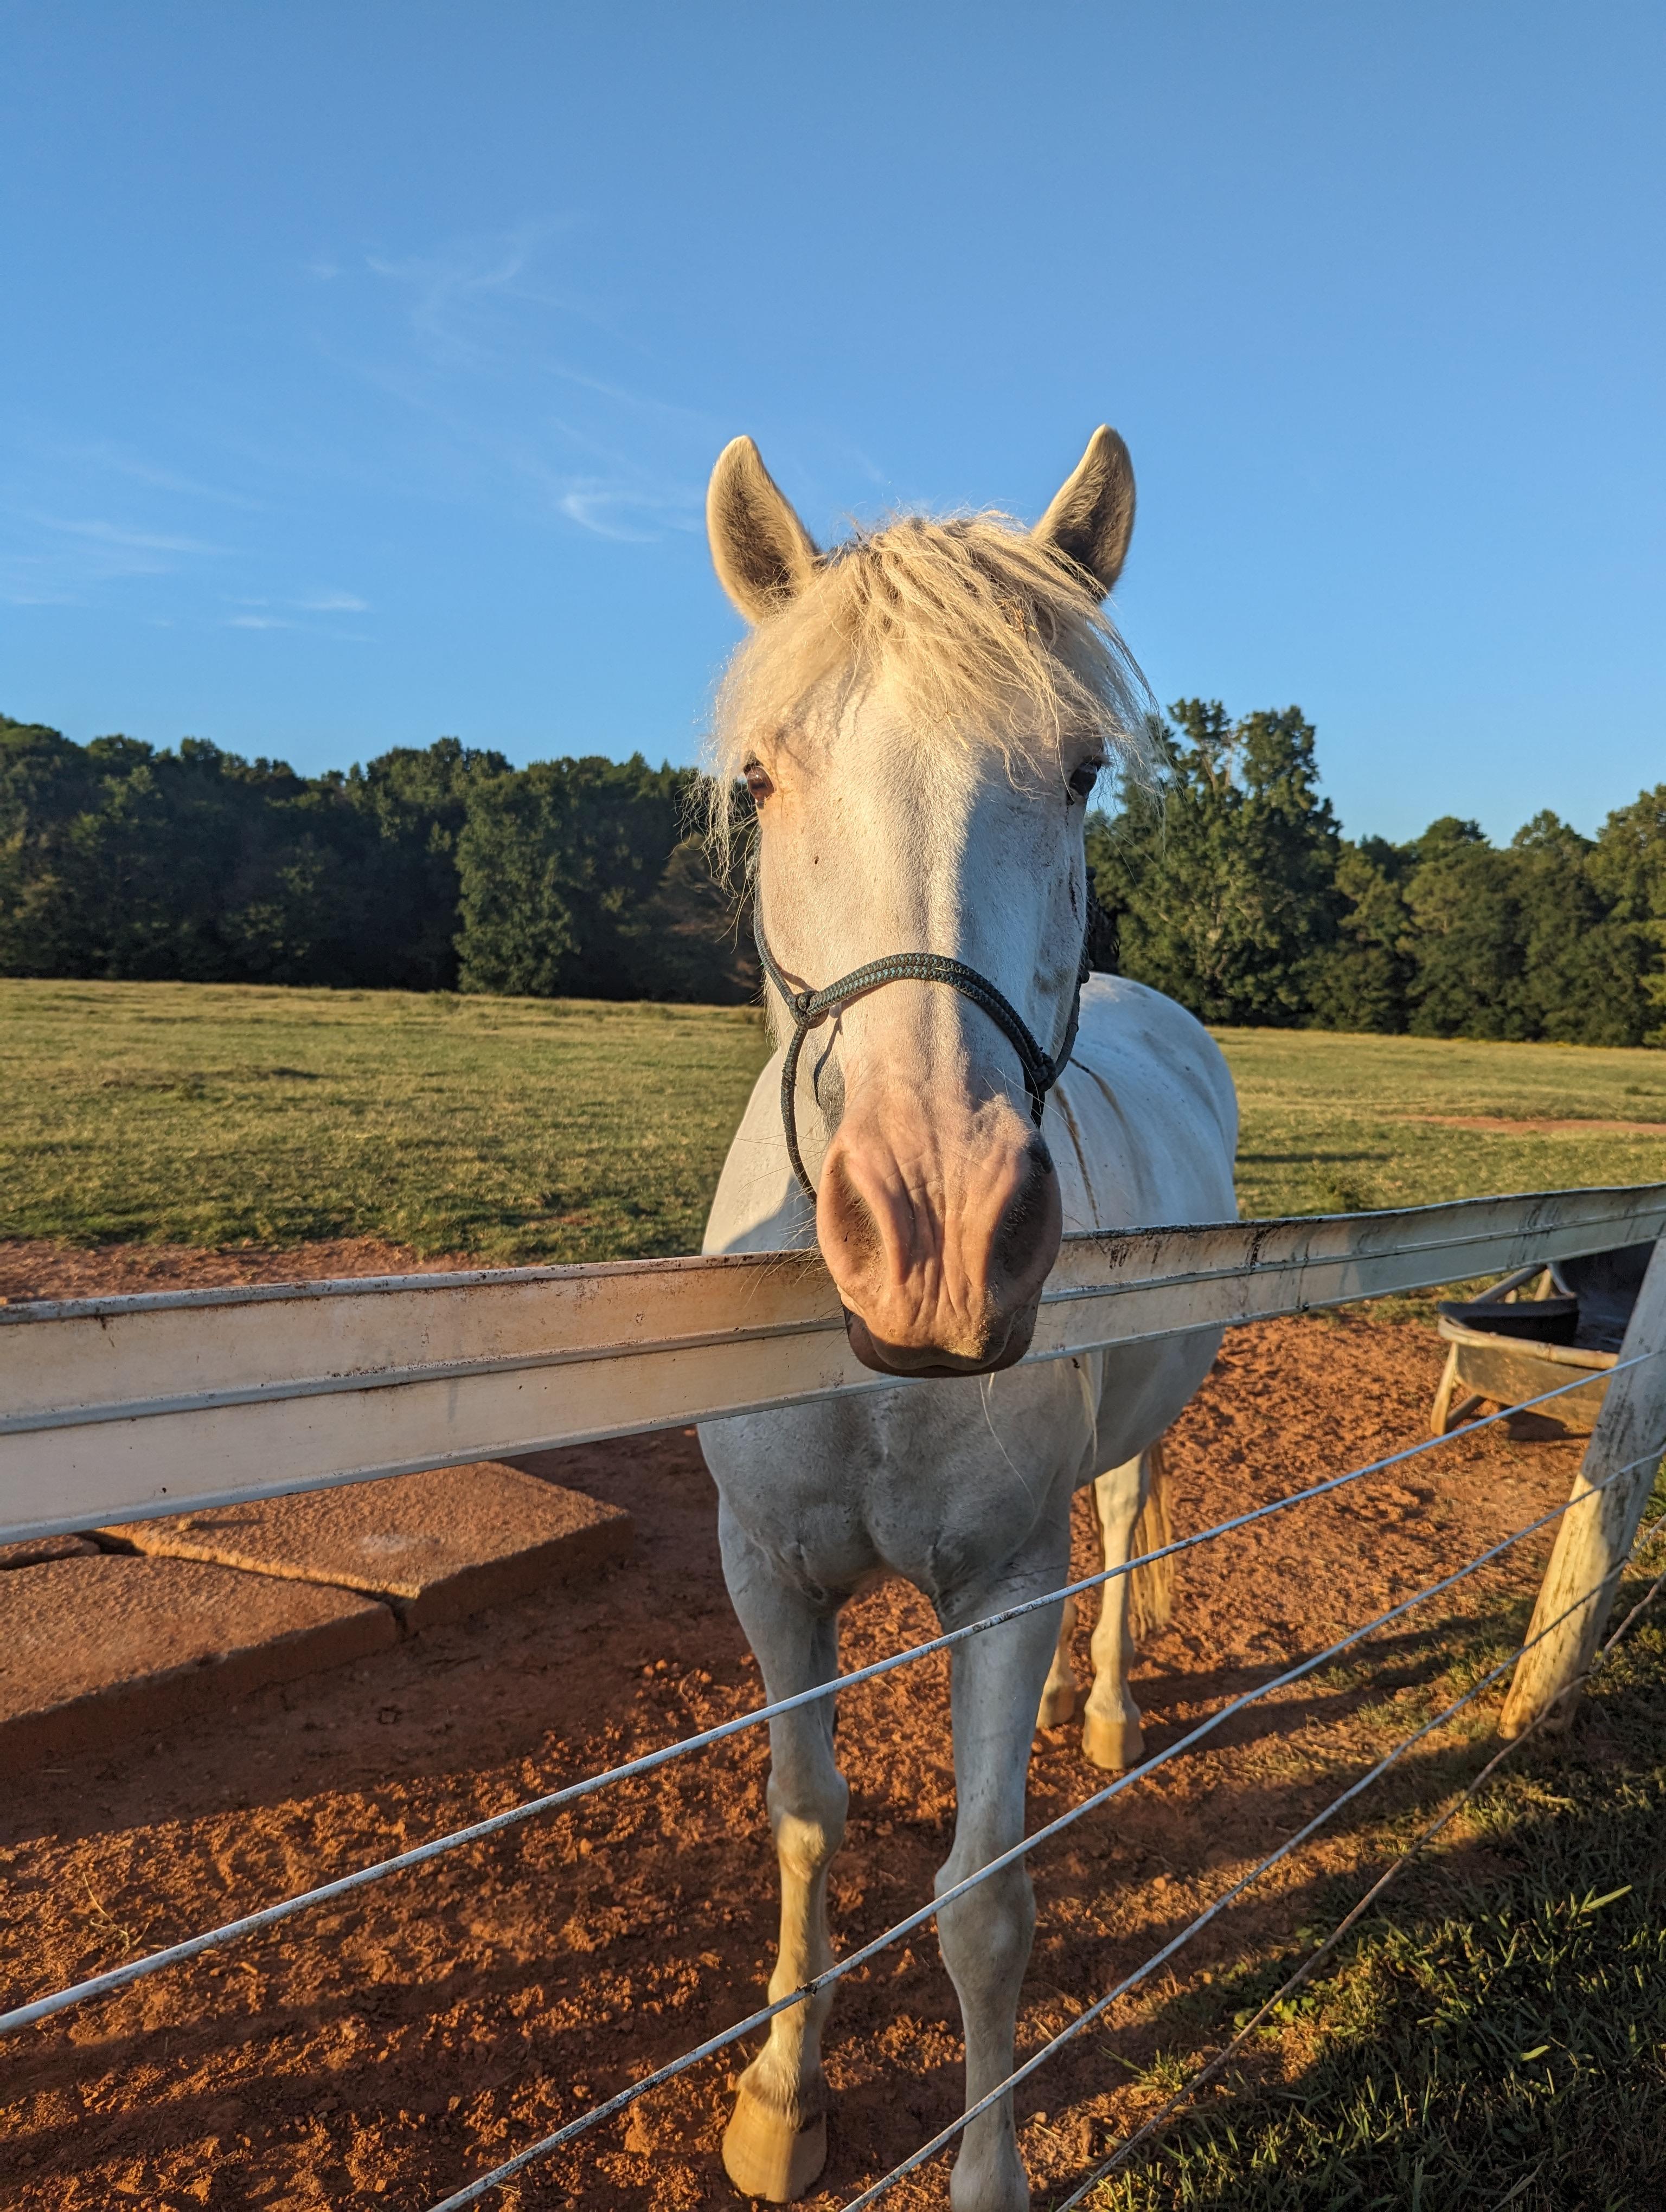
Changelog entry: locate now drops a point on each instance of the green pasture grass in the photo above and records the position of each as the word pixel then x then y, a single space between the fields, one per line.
pixel 516 1129
pixel 525 1129
pixel 1494 2033
pixel 1341 1124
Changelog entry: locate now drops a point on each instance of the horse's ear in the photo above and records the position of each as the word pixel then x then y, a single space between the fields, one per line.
pixel 1091 520
pixel 763 553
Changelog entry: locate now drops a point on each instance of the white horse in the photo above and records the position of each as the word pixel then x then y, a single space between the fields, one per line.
pixel 920 715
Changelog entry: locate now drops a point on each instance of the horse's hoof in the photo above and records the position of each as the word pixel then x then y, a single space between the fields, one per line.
pixel 1113 1742
pixel 765 2156
pixel 1056 1706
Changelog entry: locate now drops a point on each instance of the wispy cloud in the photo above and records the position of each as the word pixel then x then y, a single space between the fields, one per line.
pixel 138 468
pixel 124 540
pixel 22 584
pixel 512 383
pixel 52 560
pixel 459 298
pixel 334 602
pixel 632 516
pixel 257 622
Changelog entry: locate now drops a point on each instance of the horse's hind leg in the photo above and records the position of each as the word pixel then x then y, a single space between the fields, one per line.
pixel 986 1935
pixel 1058 1698
pixel 776 2140
pixel 1111 1735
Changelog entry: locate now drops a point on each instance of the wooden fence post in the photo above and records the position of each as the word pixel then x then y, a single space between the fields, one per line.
pixel 1595 1541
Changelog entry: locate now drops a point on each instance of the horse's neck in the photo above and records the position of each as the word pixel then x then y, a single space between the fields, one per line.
pixel 759 1206
pixel 1143 1126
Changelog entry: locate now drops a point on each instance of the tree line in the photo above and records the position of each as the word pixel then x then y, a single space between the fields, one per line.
pixel 1233 889
pixel 1230 886
pixel 441 868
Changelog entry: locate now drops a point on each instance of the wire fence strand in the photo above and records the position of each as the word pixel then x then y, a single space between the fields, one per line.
pixel 1142 1973
pixel 610 2108
pixel 1149 2127
pixel 270 1915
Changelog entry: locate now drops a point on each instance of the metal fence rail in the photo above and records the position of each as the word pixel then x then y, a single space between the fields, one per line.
pixel 123 1409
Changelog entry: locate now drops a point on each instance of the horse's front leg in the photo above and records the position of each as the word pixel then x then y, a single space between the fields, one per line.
pixel 776 2140
pixel 986 1935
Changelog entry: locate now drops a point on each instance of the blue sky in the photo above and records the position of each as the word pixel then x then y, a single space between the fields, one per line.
pixel 365 363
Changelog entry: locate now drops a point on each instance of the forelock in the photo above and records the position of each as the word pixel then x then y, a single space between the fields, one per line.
pixel 979 634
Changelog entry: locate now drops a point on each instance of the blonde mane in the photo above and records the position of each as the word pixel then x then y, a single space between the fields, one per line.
pixel 978 629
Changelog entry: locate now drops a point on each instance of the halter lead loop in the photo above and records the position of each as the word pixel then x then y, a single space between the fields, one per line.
pixel 810 1008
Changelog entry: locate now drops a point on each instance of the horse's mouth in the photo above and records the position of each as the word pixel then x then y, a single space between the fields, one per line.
pixel 921 1362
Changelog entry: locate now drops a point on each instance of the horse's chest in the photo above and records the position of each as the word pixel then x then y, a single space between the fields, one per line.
pixel 917 1483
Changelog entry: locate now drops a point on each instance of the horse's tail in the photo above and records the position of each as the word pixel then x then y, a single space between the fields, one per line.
pixel 1151 1589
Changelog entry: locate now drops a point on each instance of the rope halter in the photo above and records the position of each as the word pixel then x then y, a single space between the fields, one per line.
pixel 809 1009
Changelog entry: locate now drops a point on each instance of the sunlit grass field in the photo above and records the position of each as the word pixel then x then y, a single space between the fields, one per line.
pixel 521 1129
pixel 513 1129
pixel 1339 1123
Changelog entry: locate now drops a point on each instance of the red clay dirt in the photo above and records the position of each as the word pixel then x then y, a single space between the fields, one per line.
pixel 388 2050
pixel 95 1650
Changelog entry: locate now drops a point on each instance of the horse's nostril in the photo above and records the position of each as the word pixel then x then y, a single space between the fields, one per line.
pixel 1028 1219
pixel 846 1215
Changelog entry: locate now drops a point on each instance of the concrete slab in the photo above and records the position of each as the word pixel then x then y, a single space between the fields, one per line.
pixel 97 1648
pixel 434 1546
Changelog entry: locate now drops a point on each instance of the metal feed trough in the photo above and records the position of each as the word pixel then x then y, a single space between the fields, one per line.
pixel 1541 1326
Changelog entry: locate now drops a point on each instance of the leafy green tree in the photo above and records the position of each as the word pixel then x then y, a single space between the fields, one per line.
pixel 47 895
pixel 691 939
pixel 122 861
pixel 418 800
pixel 1363 981
pixel 1518 943
pixel 1628 867
pixel 548 860
pixel 437 865
pixel 1220 889
pixel 1465 935
pixel 1582 980
pixel 576 877
pixel 187 849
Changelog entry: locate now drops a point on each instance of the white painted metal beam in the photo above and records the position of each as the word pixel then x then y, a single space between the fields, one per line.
pixel 120 1409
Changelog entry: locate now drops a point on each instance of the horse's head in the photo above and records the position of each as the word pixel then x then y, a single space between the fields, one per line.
pixel 921 716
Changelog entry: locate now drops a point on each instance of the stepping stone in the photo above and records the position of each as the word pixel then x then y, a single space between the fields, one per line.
pixel 435 1546
pixel 95 1648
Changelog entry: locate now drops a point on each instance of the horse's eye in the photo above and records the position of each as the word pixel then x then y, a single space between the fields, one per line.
pixel 1082 779
pixel 757 782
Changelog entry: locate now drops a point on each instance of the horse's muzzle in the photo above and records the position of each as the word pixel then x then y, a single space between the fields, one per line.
pixel 916 1362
